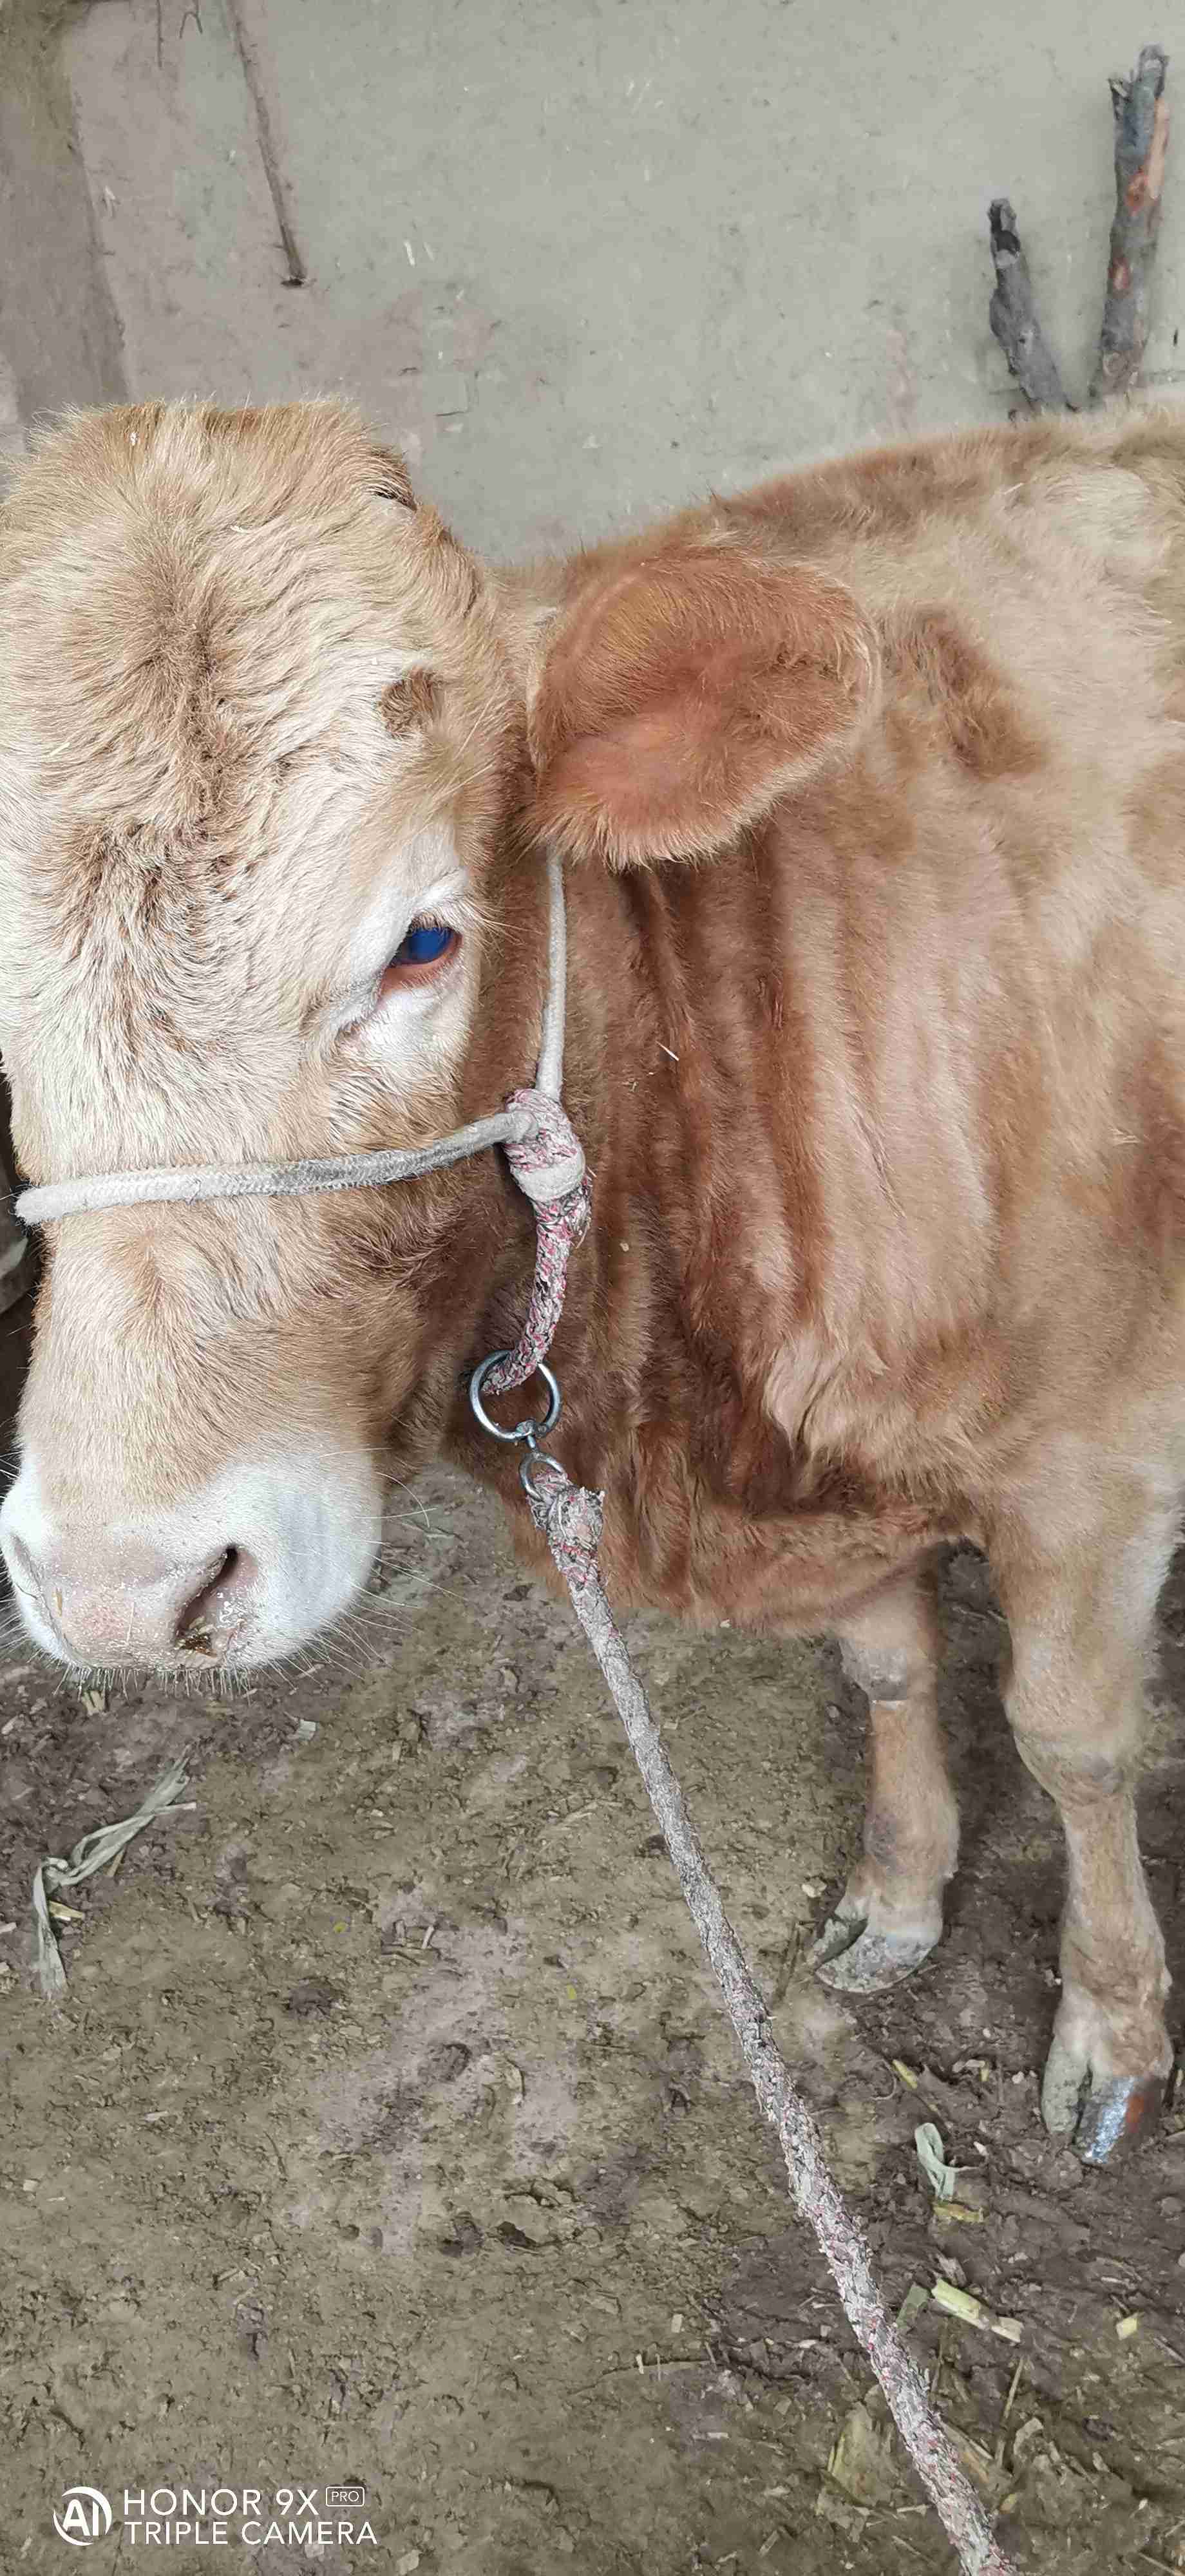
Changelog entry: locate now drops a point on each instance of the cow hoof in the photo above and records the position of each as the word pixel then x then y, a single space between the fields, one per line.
pixel 1103 2122
pixel 854 1958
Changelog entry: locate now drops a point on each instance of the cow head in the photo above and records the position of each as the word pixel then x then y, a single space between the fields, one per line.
pixel 263 894
pixel 259 744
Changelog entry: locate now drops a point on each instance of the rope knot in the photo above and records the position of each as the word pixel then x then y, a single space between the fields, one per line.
pixel 570 1517
pixel 547 1163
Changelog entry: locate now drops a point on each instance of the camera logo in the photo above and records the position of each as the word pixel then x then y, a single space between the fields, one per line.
pixel 87 2517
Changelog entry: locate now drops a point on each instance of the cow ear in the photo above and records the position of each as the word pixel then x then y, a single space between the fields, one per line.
pixel 684 694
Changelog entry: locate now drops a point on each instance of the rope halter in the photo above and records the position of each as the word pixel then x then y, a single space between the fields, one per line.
pixel 542 1150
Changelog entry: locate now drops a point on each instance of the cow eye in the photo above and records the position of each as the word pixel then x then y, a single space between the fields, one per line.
pixel 425 942
pixel 420 955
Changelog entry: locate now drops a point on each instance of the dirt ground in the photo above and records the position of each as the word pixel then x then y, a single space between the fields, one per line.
pixel 389 2134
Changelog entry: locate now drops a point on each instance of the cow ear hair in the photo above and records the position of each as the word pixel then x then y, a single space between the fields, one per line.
pixel 684 693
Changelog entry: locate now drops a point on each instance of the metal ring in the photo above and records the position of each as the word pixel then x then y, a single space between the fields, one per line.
pixel 528 1468
pixel 525 1430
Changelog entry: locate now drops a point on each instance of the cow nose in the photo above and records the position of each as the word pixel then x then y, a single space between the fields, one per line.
pixel 136 1605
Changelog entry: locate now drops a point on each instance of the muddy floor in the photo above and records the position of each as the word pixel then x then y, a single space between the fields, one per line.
pixel 389 2135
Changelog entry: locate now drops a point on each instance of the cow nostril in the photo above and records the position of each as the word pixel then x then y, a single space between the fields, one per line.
pixel 28 1578
pixel 211 1618
pixel 20 1558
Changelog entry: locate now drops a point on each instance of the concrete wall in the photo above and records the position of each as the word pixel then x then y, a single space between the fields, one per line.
pixel 584 259
pixel 59 335
pixel 60 338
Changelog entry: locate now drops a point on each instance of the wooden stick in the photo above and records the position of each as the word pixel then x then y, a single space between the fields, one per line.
pixel 1013 315
pixel 297 272
pixel 1141 143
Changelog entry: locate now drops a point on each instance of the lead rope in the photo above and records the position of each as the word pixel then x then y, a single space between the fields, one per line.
pixel 548 1164
pixel 570 1518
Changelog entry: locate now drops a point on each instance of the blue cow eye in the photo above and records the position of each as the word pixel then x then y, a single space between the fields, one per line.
pixel 425 942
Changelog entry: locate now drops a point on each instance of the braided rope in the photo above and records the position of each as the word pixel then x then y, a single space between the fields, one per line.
pixel 570 1518
pixel 548 1164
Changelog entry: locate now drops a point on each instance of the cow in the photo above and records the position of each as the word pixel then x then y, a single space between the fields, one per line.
pixel 869 787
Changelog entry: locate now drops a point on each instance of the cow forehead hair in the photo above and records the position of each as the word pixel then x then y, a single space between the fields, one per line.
pixel 189 595
pixel 204 618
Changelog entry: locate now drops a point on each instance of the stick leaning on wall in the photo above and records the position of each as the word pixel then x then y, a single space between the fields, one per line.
pixel 1141 116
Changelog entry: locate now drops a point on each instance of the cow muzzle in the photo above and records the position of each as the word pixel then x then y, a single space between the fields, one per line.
pixel 110 1606
pixel 239 1575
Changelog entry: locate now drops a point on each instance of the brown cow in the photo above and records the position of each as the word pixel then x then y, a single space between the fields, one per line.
pixel 874 791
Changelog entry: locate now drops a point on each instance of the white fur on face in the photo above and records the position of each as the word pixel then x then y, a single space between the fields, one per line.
pixel 311 1525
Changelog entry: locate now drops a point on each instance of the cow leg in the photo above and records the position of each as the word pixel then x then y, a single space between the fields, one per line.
pixel 1080 1633
pixel 890 1914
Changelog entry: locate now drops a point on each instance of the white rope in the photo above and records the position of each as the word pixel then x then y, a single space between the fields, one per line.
pixel 569 1517
pixel 266 1180
pixel 187 1186
pixel 550 1074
